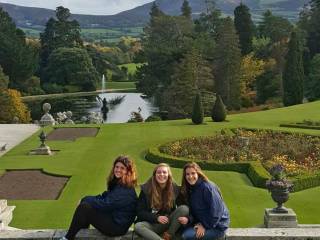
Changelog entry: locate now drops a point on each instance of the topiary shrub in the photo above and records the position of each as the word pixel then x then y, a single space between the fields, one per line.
pixel 197 110
pixel 219 113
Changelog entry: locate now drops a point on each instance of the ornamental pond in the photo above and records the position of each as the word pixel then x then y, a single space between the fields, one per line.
pixel 82 106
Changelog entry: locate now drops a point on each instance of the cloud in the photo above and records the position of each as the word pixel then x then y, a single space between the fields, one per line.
pixel 97 7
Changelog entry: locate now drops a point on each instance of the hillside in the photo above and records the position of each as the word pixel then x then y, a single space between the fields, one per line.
pixel 37 17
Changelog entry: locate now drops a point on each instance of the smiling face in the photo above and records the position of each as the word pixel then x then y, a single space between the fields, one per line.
pixel 162 175
pixel 191 176
pixel 119 170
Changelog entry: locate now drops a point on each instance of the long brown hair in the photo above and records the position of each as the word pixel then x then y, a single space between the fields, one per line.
pixel 185 186
pixel 130 178
pixel 161 198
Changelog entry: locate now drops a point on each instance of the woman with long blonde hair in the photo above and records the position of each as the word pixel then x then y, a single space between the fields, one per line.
pixel 157 211
pixel 209 216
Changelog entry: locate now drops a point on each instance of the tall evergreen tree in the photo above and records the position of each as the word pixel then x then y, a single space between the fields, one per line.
pixel 4 80
pixel 17 58
pixel 309 21
pixel 178 98
pixel 274 27
pixel 227 65
pixel 293 75
pixel 154 13
pixel 166 40
pixel 313 79
pixel 244 27
pixel 59 33
pixel 186 9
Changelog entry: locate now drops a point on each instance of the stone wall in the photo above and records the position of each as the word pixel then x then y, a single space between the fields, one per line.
pixel 301 233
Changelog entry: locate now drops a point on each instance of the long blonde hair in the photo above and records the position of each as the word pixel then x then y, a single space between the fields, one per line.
pixel 161 198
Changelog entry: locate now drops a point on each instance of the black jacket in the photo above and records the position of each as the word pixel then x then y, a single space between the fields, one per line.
pixel 120 202
pixel 144 210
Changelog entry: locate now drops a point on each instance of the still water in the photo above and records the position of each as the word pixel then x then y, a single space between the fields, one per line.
pixel 81 106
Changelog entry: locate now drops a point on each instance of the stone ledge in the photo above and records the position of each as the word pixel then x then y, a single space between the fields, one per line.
pixel 232 234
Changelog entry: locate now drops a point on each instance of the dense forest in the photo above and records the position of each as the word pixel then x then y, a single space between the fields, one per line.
pixel 246 64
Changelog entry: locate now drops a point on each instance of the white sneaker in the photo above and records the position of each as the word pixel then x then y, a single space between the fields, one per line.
pixel 63 238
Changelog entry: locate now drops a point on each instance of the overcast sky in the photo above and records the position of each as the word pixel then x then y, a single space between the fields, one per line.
pixel 96 7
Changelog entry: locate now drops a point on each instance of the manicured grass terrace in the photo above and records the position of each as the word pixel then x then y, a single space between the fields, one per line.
pixel 88 160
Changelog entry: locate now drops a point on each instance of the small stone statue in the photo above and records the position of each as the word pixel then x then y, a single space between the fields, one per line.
pixel 69 120
pixel 47 118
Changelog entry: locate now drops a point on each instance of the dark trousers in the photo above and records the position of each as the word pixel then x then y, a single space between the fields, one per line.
pixel 86 215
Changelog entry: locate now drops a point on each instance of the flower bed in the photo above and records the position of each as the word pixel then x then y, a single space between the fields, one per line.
pixel 299 154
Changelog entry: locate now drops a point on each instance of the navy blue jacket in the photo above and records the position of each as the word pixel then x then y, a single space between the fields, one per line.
pixel 120 202
pixel 207 207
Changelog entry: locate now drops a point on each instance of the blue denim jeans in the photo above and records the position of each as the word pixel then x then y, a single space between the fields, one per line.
pixel 210 234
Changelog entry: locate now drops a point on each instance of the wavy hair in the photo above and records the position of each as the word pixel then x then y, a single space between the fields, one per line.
pixel 185 186
pixel 161 198
pixel 130 178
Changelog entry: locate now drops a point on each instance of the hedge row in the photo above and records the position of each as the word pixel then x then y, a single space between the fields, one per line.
pixel 300 126
pixel 254 170
pixel 305 182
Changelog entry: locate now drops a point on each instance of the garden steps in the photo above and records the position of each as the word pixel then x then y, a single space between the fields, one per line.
pixel 6 213
pixel 300 233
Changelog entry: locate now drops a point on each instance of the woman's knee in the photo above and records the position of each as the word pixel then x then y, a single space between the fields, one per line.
pixel 183 210
pixel 138 227
pixel 188 234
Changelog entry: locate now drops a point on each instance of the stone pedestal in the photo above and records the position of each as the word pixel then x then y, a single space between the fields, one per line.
pixel 280 220
pixel 45 150
pixel 5 214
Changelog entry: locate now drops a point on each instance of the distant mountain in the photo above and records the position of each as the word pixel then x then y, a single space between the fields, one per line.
pixel 37 17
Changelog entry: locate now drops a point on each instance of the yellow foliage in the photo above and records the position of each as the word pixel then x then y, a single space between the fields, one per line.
pixel 251 68
pixel 12 106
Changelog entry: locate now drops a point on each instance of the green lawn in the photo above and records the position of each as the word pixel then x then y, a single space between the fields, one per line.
pixel 132 67
pixel 88 160
pixel 120 85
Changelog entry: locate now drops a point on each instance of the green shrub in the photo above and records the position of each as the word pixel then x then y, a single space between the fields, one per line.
pixel 254 170
pixel 197 110
pixel 153 118
pixel 219 111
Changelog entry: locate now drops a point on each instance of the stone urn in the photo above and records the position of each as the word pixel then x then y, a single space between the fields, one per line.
pixel 279 187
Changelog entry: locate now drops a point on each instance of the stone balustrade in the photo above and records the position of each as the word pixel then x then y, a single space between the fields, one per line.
pixel 6 213
pixel 302 232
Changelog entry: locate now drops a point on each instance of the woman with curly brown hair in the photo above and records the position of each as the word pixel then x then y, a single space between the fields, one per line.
pixel 157 209
pixel 113 211
pixel 209 216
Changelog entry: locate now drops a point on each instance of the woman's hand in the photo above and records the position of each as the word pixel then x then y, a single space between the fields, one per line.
pixel 200 230
pixel 163 219
pixel 183 220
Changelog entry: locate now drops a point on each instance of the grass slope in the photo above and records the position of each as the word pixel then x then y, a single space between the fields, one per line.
pixel 88 161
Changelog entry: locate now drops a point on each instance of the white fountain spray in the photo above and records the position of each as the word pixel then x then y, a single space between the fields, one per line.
pixel 103 83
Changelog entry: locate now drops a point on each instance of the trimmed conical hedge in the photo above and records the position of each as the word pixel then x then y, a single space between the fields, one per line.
pixel 219 113
pixel 197 110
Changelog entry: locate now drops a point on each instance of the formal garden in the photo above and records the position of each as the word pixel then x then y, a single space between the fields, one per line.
pixel 86 160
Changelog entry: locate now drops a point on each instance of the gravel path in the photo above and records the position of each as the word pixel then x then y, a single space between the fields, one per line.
pixel 13 134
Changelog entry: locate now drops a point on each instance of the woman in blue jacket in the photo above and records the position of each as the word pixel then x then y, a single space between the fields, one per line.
pixel 113 211
pixel 209 216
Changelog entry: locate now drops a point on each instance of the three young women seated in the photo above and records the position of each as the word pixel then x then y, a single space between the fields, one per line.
pixel 164 210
